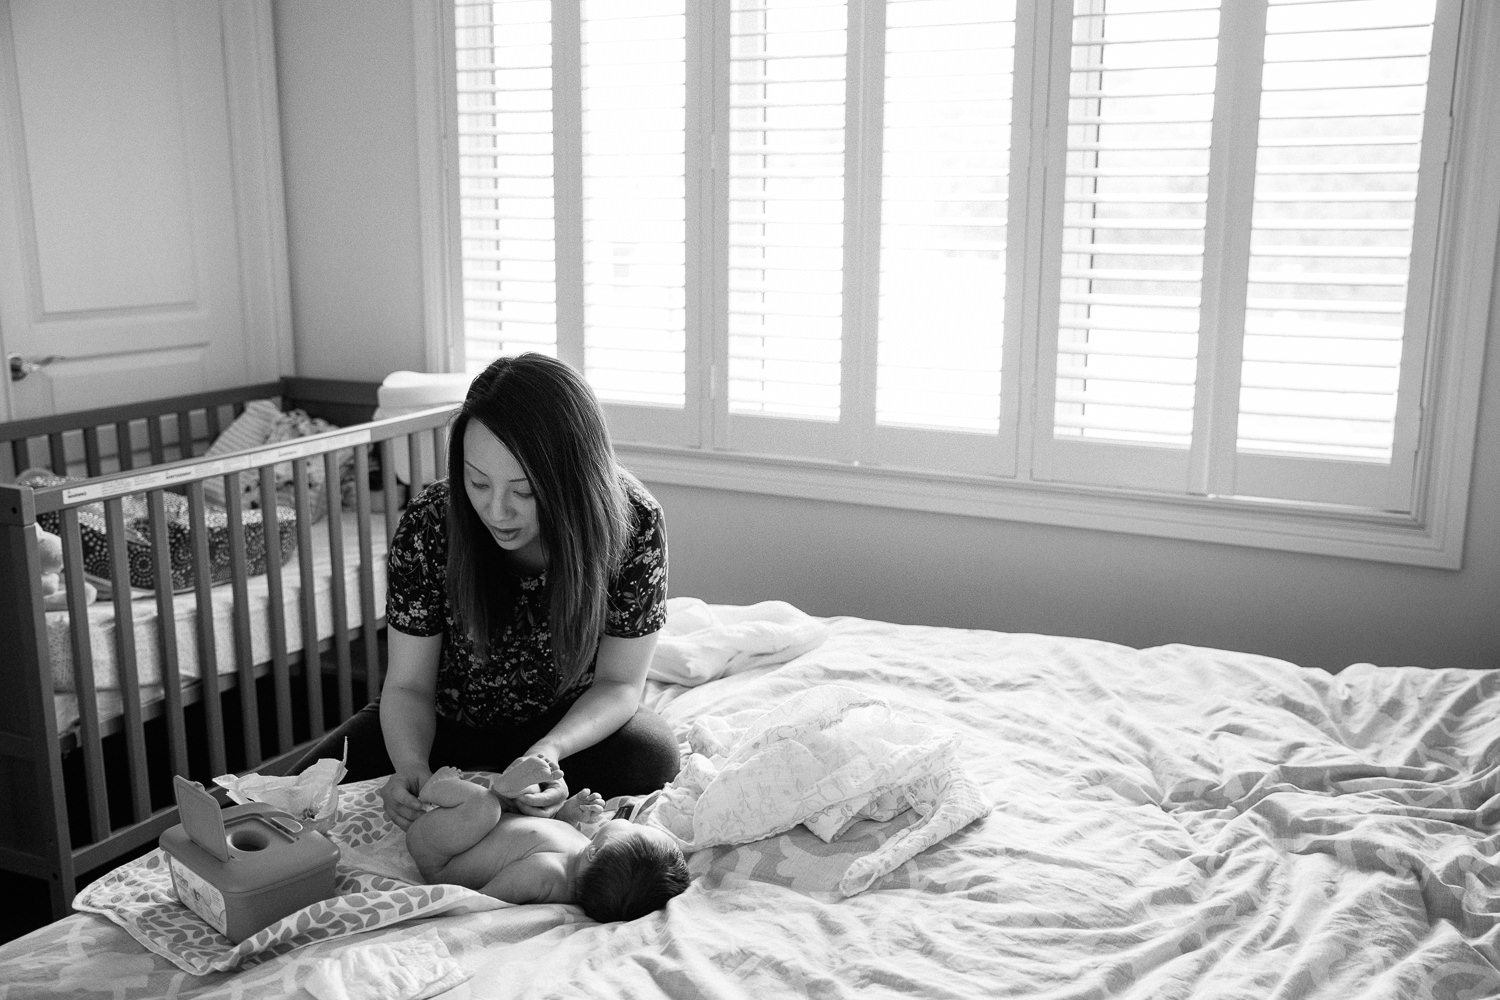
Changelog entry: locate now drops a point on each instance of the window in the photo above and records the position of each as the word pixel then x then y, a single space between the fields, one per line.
pixel 1187 267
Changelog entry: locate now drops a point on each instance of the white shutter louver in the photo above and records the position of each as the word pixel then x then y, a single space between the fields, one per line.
pixel 1335 191
pixel 1140 118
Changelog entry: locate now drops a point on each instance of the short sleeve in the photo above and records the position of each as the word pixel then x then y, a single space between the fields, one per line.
pixel 416 600
pixel 638 596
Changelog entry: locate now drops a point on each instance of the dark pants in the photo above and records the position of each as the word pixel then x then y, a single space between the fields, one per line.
pixel 639 757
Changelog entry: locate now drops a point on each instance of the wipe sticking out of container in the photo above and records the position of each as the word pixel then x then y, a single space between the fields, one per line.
pixel 311 797
pixel 245 867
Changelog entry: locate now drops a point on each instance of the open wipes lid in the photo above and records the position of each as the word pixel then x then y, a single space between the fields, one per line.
pixel 202 817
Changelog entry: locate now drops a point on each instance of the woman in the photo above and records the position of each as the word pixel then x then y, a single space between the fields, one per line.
pixel 524 597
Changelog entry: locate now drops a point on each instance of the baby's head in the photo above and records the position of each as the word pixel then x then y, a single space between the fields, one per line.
pixel 629 870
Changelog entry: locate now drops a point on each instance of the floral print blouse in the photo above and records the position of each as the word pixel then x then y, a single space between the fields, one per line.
pixel 514 679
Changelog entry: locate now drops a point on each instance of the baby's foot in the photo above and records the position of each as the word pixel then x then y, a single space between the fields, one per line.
pixel 523 773
pixel 448 787
pixel 582 809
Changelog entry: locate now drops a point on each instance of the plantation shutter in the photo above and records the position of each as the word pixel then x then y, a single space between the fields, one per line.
pixel 572 183
pixel 1341 250
pixel 786 136
pixel 1234 260
pixel 634 201
pixel 506 167
pixel 945 178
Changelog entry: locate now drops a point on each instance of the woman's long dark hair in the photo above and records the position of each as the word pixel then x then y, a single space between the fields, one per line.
pixel 549 419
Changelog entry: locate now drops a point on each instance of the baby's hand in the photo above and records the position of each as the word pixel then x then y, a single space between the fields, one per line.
pixel 582 809
pixel 523 773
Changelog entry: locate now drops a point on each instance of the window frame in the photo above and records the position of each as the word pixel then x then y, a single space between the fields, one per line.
pixel 1431 534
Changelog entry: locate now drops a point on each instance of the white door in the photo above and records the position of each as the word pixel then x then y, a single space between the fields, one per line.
pixel 142 253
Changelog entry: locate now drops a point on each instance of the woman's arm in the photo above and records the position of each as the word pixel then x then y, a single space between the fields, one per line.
pixel 408 719
pixel 610 701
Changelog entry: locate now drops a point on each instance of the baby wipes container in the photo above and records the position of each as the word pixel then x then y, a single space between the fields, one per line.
pixel 247 866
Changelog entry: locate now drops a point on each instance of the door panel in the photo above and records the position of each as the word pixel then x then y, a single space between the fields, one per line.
pixel 118 201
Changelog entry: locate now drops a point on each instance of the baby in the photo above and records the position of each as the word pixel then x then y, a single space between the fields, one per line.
pixel 624 871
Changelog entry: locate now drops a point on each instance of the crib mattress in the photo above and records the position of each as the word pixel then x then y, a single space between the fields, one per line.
pixel 145 627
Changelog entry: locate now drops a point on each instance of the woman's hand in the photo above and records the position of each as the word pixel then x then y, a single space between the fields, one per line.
pixel 399 796
pixel 543 799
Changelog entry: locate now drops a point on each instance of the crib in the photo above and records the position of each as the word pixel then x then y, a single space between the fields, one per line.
pixel 259 629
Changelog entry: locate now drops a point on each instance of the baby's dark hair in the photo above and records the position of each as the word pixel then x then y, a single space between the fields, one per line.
pixel 631 877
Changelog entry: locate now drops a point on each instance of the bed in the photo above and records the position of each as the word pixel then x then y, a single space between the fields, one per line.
pixel 279 602
pixel 1175 821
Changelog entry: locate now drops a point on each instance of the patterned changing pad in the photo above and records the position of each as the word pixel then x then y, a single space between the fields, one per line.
pixel 377 884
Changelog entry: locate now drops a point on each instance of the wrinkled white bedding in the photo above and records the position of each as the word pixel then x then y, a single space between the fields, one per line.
pixel 1169 822
pixel 826 758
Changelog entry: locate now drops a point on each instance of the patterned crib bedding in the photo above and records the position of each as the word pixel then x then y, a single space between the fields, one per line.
pixel 102 623
pixel 1172 821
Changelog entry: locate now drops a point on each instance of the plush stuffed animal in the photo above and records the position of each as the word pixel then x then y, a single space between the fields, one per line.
pixel 54 593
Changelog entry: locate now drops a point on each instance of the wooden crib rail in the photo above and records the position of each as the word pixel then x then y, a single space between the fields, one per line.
pixel 95 784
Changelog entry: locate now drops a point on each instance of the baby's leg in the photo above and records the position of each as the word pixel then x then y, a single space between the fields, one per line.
pixel 448 787
pixel 583 808
pixel 524 772
pixel 465 813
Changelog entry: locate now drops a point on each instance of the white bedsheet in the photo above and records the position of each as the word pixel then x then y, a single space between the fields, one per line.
pixel 1170 822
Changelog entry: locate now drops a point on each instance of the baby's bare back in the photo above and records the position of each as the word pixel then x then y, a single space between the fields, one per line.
pixel 513 839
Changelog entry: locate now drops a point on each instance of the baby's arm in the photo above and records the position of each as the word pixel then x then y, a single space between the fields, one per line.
pixel 581 809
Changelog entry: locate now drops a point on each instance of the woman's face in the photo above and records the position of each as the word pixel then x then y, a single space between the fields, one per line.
pixel 501 494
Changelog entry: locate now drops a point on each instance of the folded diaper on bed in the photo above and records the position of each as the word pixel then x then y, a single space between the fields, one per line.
pixel 410 968
pixel 825 758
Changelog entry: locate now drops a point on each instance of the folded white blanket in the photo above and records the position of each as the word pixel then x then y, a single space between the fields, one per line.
pixel 703 641
pixel 825 758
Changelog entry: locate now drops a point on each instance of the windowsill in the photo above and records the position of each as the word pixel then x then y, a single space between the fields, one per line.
pixel 1306 528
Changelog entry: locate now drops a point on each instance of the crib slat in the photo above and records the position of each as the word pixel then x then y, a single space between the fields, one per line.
pixel 367 616
pixel 308 581
pixel 414 460
pixel 124 445
pixel 166 625
pixel 208 654
pixel 154 436
pixel 57 447
pixel 91 452
pixel 336 590
pixel 184 434
pixel 389 487
pixel 281 684
pixel 20 455
pixel 125 661
pixel 440 451
pixel 239 574
pixel 83 678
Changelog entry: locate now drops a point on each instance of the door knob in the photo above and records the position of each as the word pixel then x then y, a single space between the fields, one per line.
pixel 21 367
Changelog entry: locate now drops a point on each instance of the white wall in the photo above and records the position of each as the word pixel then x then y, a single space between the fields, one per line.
pixel 344 71
pixel 347 93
